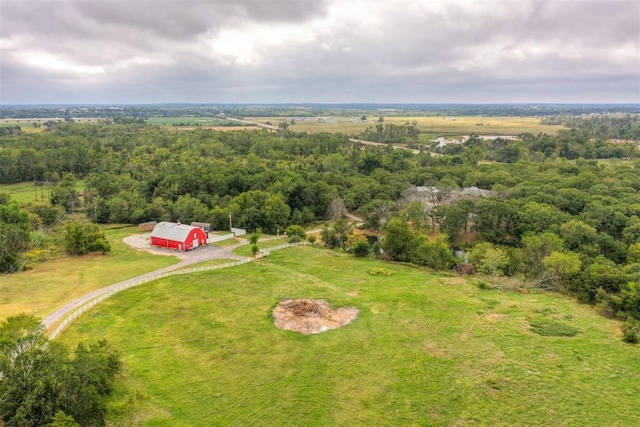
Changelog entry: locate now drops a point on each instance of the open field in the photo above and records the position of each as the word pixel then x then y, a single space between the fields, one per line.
pixel 246 249
pixel 27 125
pixel 425 350
pixel 430 127
pixel 25 192
pixel 53 283
pixel 192 121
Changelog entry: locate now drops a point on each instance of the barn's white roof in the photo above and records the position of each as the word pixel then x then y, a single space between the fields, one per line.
pixel 172 231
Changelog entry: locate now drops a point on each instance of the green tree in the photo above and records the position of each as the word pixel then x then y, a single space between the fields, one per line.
pixel 436 254
pixel 494 262
pixel 254 237
pixel 562 265
pixel 14 236
pixel 189 209
pixel 296 230
pixel 82 238
pixel 399 242
pixel 537 247
pixel 576 234
pixel 60 419
pixel 64 193
pixel 30 371
pixel 633 253
pixel 39 380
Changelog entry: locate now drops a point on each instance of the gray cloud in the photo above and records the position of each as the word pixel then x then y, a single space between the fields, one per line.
pixel 322 51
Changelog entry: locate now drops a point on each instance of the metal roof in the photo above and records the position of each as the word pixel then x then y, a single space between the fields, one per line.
pixel 172 231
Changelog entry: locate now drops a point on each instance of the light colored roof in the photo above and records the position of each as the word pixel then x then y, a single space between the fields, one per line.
pixel 172 231
pixel 475 191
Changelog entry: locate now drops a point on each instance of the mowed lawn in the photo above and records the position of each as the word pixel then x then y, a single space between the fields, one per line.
pixel 55 282
pixel 430 127
pixel 425 350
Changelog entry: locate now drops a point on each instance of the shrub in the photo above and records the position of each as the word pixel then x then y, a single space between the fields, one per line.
pixel 378 271
pixel 483 285
pixel 254 249
pixel 254 237
pixel 311 239
pixel 296 230
pixel 631 331
pixel 360 248
pixel 294 239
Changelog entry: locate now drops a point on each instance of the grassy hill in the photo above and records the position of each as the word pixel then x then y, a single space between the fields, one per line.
pixel 425 350
pixel 64 278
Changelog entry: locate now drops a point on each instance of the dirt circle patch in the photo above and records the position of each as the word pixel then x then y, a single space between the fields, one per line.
pixel 311 316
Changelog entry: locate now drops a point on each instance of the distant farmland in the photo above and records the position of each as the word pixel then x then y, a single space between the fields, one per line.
pixel 430 127
pixel 194 122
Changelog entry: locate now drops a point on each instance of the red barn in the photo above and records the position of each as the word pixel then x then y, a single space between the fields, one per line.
pixel 177 236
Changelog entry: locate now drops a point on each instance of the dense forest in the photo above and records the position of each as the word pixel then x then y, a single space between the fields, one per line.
pixel 550 211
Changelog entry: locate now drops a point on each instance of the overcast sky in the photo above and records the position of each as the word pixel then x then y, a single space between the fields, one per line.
pixel 290 51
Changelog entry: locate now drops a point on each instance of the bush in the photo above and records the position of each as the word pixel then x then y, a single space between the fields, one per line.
pixel 295 239
pixel 360 248
pixel 296 230
pixel 254 249
pixel 378 271
pixel 311 239
pixel 483 285
pixel 631 331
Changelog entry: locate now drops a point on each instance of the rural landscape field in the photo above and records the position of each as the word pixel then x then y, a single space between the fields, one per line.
pixel 319 213
pixel 494 275
pixel 425 349
pixel 430 127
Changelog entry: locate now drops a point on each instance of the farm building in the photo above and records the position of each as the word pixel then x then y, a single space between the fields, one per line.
pixel 147 226
pixel 177 236
pixel 205 226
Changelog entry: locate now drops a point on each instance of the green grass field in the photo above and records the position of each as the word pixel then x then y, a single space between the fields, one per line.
pixel 26 192
pixel 425 350
pixel 191 121
pixel 55 282
pixel 246 249
pixel 430 127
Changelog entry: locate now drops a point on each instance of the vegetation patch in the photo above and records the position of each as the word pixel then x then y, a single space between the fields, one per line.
pixel 378 271
pixel 552 328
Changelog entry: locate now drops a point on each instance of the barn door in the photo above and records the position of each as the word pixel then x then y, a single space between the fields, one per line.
pixel 196 241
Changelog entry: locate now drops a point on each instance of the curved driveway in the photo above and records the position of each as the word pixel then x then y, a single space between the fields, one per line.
pixel 201 254
pixel 141 242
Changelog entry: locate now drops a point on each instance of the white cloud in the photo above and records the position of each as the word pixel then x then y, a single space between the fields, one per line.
pixel 50 62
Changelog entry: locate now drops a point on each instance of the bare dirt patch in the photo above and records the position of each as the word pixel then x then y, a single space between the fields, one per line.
pixel 311 316
pixel 492 317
